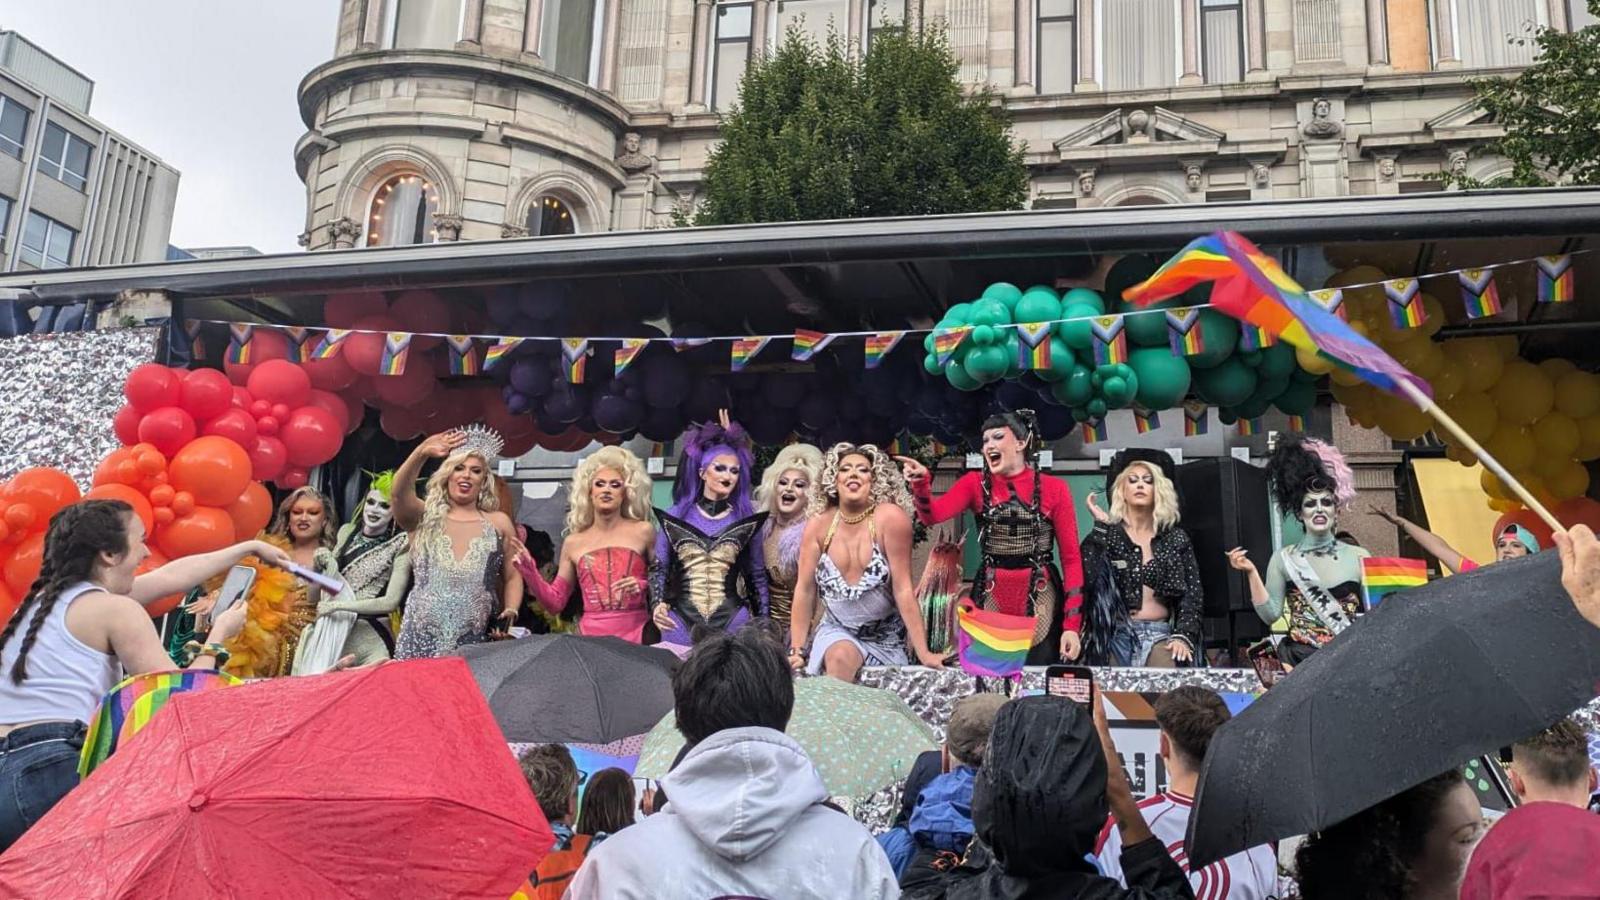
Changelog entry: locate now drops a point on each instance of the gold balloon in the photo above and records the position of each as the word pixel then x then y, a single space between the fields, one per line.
pixel 1491 485
pixel 1549 466
pixel 1524 393
pixel 1577 394
pixel 1435 317
pixel 1448 380
pixel 1506 345
pixel 1400 420
pixel 1512 445
pixel 1345 377
pixel 1312 361
pixel 1588 438
pixel 1571 480
pixel 1556 435
pixel 1556 368
pixel 1478 360
pixel 1357 275
pixel 1474 412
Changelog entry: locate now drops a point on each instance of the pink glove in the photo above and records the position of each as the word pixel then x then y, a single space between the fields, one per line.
pixel 552 595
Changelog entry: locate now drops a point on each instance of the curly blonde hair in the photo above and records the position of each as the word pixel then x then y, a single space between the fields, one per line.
pixel 802 458
pixel 436 501
pixel 888 485
pixel 580 509
pixel 1166 507
pixel 280 520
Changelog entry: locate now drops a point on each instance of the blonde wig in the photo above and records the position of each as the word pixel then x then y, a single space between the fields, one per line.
pixel 802 458
pixel 436 502
pixel 636 505
pixel 1166 507
pixel 888 485
pixel 330 525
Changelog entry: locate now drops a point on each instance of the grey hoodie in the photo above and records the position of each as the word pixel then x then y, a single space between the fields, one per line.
pixel 744 818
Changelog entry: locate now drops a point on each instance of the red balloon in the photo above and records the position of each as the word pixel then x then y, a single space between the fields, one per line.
pixel 364 350
pixel 279 381
pixel 8 603
pixel 168 428
pixel 268 458
pixel 331 374
pixel 251 512
pixel 343 310
pixel 161 606
pixel 422 311
pixel 1579 511
pixel 293 478
pixel 520 445
pixel 356 412
pixel 267 426
pixel 19 517
pixel 236 425
pixel 1528 519
pixel 312 436
pixel 242 398
pixel 410 388
pixel 205 394
pixel 126 425
pixel 454 407
pixel 334 404
pixel 280 411
pixel 364 390
pixel 23 567
pixel 214 470
pixel 151 386
pixel 265 345
pixel 260 408
pixel 202 531
pixel 141 505
pixel 45 490
pixel 402 424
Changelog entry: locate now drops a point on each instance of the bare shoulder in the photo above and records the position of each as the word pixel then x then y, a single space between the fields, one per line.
pixel 815 526
pixel 503 522
pixel 889 514
pixel 96 615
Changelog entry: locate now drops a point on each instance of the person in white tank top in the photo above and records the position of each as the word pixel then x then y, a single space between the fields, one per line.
pixel 79 628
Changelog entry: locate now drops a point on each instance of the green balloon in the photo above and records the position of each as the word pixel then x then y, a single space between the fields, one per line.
pixel 1267 389
pixel 985 364
pixel 1163 378
pixel 1298 399
pixel 1097 408
pixel 1039 304
pixel 1013 360
pixel 930 364
pixel 1080 413
pixel 1128 271
pixel 958 315
pixel 1119 391
pixel 1278 361
pixel 1078 334
pixel 1227 384
pixel 989 312
pixel 1005 292
pixel 1253 409
pixel 1227 415
pixel 1098 378
pixel 957 375
pixel 1301 375
pixel 1084 297
pixel 1147 328
pixel 1076 389
pixel 981 336
pixel 1062 361
pixel 1251 358
pixel 1220 336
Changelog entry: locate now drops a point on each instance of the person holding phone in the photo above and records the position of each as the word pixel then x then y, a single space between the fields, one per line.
pixel 79 628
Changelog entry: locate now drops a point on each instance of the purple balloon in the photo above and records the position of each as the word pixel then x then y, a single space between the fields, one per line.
pixel 518 403
pixel 530 376
pixel 502 305
pixel 770 425
pixel 565 405
pixel 783 390
pixel 818 410
pixel 666 381
pixel 705 399
pixel 616 414
pixel 662 424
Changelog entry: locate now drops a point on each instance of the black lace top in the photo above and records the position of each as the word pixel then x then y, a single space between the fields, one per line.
pixel 1171 573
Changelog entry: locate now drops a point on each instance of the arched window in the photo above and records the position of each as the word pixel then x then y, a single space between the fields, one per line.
pixel 402 212
pixel 550 216
pixel 425 24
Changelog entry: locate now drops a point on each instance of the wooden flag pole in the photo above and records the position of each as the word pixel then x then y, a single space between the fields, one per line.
pixel 1426 404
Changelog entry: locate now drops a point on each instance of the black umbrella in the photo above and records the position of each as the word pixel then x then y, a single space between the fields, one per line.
pixel 559 688
pixel 1430 679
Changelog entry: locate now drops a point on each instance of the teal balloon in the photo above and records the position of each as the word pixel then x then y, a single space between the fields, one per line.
pixel 958 314
pixel 1097 408
pixel 1013 360
pixel 1118 391
pixel 1227 384
pixel 1078 334
pixel 1062 361
pixel 927 341
pixel 1005 292
pixel 1301 375
pixel 957 375
pixel 1084 297
pixel 1163 378
pixel 986 364
pixel 1147 329
pixel 1278 361
pixel 1039 304
pixel 1251 358
pixel 1220 335
pixel 1253 409
pixel 1297 399
pixel 930 364
pixel 1098 378
pixel 1128 271
pixel 1080 413
pixel 1076 389
pixel 990 312
pixel 981 336
pixel 1228 415
pixel 1267 389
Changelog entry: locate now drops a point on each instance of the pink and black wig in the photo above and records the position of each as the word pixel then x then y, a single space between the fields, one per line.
pixel 1301 465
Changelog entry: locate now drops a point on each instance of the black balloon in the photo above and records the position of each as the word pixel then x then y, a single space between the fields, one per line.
pixel 666 380
pixel 616 414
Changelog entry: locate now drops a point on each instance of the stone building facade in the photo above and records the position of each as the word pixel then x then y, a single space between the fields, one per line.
pixel 442 120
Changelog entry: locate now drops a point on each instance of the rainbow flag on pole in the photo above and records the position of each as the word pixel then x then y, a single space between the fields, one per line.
pixel 992 644
pixel 880 345
pixel 808 343
pixel 1555 279
pixel 746 349
pixel 1405 303
pixel 1479 294
pixel 239 337
pixel 1383 575
pixel 627 353
pixel 463 356
pixel 396 348
pixel 1110 340
pixel 1184 334
pixel 948 341
pixel 575 358
pixel 1033 345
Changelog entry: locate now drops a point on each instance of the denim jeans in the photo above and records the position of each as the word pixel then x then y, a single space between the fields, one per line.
pixel 1131 645
pixel 38 766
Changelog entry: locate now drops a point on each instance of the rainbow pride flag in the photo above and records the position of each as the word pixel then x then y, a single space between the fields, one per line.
pixel 627 353
pixel 1479 294
pixel 744 350
pixel 1196 419
pixel 193 328
pixel 1183 331
pixel 332 342
pixel 1146 420
pixel 296 336
pixel 396 348
pixel 499 350
pixel 1555 279
pixel 1383 575
pixel 808 343
pixel 1110 340
pixel 1095 432
pixel 948 341
pixel 1297 424
pixel 1332 300
pixel 1033 345
pixel 992 644
pixel 1254 337
pixel 1248 427
pixel 575 358
pixel 1252 287
pixel 240 337
pixel 880 345
pixel 463 354
pixel 1405 302
pixel 129 707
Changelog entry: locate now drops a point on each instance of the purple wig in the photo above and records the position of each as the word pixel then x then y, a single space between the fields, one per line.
pixel 701 444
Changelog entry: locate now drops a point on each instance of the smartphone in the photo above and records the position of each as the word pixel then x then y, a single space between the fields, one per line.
pixel 234 588
pixel 1076 683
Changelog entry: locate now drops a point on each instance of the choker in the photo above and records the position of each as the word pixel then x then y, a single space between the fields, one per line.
pixel 713 508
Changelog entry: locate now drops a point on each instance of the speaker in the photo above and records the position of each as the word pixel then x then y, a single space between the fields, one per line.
pixel 1225 505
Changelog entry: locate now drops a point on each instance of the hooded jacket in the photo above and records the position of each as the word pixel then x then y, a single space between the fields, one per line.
pixel 1037 807
pixel 1540 851
pixel 744 819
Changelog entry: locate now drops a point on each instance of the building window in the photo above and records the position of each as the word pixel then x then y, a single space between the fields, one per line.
pixel 885 15
pixel 13 126
pixel 548 217
pixel 570 38
pixel 1578 15
pixel 402 213
pixel 1222 41
pixel 46 243
pixel 5 222
pixel 1487 31
pixel 1056 47
pixel 730 53
pixel 1316 31
pixel 65 157
pixel 815 18
pixel 424 24
pixel 1140 44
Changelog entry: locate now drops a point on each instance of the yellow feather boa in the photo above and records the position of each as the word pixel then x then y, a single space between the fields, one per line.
pixel 256 652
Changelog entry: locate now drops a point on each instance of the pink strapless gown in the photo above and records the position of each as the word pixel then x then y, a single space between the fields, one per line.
pixel 608 608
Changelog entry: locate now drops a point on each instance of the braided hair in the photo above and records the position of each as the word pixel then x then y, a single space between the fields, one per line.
pixel 78 535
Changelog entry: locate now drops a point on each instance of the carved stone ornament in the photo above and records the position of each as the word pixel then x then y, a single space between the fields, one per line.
pixel 343 231
pixel 632 159
pixel 1192 175
pixel 1086 183
pixel 1322 126
pixel 448 225
pixel 1458 163
pixel 1138 123
pixel 1386 168
pixel 1262 174
pixel 304 239
pixel 509 230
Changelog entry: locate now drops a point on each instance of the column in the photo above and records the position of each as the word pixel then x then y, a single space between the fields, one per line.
pixel 530 28
pixel 1191 44
pixel 372 24
pixel 759 10
pixel 1255 38
pixel 1022 53
pixel 1087 67
pixel 1377 34
pixel 700 55
pixel 471 26
pixel 1444 31
pixel 608 45
pixel 855 26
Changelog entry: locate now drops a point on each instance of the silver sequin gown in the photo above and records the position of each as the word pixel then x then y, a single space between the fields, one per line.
pixel 450 602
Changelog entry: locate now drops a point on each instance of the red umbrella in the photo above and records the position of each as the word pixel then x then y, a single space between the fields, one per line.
pixel 391 781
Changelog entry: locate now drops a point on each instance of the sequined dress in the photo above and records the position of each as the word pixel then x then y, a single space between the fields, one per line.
pixel 451 600
pixel 863 613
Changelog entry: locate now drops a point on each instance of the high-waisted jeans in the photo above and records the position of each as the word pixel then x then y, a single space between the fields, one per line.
pixel 38 766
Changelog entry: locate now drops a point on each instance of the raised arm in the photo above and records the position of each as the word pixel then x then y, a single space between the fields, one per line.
pixel 895 526
pixel 407 504
pixel 801 608
pixel 963 496
pixel 1430 542
pixel 180 575
pixel 137 646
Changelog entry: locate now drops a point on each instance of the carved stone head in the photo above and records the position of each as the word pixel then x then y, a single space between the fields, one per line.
pixel 1191 177
pixel 1086 183
pixel 630 142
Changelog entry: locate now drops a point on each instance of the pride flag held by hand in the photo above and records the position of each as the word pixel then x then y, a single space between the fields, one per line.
pixel 990 643
pixel 1382 576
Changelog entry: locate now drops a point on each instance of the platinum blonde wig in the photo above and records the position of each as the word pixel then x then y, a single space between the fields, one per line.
pixel 888 485
pixel 636 505
pixel 1166 507
pixel 436 502
pixel 799 457
pixel 280 521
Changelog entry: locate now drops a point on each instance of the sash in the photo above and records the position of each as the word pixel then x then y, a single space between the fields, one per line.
pixel 1322 603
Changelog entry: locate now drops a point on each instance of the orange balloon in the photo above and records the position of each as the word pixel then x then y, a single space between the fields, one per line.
pixel 107 472
pixel 163 515
pixel 161 606
pixel 46 490
pixel 5 531
pixel 251 512
pixel 151 462
pixel 203 531
pixel 141 505
pixel 8 604
pixel 182 504
pixel 162 494
pixel 20 516
pixel 23 567
pixel 213 469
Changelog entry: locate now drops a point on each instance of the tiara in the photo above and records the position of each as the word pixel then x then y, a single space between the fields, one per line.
pixel 482 440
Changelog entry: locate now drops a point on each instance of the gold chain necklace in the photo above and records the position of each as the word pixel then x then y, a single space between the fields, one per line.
pixel 857 520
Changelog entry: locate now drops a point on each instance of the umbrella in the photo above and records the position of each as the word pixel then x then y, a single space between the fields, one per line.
pixel 860 739
pixel 133 704
pixel 559 688
pixel 1435 676
pixel 383 782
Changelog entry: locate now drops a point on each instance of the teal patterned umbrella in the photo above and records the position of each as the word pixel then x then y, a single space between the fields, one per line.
pixel 861 739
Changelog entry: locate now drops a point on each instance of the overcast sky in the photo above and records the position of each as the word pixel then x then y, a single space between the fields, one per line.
pixel 209 87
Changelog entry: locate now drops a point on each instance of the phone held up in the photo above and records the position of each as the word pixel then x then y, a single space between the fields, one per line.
pixel 1076 683
pixel 234 588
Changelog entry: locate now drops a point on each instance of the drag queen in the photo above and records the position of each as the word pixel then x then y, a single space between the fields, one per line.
pixel 606 551
pixel 855 559
pixel 784 494
pixel 458 541
pixel 1513 542
pixel 1312 589
pixel 1142 591
pixel 1022 517
pixel 372 559
pixel 708 567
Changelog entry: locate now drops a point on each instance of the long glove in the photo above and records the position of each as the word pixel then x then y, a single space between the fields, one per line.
pixel 552 595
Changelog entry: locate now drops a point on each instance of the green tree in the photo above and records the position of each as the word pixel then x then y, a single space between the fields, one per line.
pixel 821 133
pixel 1550 111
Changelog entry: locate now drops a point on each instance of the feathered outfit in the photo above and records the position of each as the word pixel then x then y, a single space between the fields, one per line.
pixel 279 608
